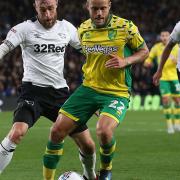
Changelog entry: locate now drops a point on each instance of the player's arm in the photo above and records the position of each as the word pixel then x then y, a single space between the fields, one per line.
pixel 4 49
pixel 164 58
pixel 139 56
pixel 174 39
pixel 136 44
pixel 14 38
pixel 74 37
pixel 152 55
pixel 118 62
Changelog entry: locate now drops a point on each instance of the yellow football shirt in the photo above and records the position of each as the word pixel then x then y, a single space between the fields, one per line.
pixel 120 37
pixel 169 70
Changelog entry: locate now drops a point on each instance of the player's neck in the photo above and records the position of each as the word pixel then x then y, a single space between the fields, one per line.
pixel 106 23
pixel 164 43
pixel 42 24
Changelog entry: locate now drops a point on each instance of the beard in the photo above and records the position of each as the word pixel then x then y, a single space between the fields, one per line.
pixel 48 23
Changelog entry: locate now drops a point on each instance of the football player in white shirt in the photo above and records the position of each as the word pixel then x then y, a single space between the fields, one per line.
pixel 174 39
pixel 43 41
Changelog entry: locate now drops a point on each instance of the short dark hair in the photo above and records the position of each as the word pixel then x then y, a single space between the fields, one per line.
pixel 166 29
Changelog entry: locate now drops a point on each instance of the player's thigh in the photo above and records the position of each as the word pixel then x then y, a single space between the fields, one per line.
pixel 175 88
pixel 106 125
pixel 165 88
pixel 114 107
pixel 28 109
pixel 80 106
pixel 52 101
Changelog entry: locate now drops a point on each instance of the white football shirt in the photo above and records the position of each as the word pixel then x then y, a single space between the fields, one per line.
pixel 175 37
pixel 43 50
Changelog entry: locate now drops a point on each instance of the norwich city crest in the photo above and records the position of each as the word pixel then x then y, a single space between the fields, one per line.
pixel 112 34
pixel 87 35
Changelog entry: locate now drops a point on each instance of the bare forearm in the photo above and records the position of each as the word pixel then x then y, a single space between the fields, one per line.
pixel 138 56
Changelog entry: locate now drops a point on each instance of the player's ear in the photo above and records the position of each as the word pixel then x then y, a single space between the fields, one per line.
pixel 57 3
pixel 109 4
pixel 87 5
pixel 34 5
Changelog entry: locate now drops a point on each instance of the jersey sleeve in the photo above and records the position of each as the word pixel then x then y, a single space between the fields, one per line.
pixel 175 35
pixel 135 40
pixel 74 38
pixel 16 35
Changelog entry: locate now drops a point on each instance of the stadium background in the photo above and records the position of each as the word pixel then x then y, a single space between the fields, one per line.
pixel 150 16
pixel 145 151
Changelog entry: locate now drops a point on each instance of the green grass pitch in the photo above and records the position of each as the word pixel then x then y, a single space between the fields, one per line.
pixel 144 150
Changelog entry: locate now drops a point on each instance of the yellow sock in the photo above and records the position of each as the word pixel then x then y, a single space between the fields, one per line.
pixel 177 121
pixel 169 122
pixel 48 174
pixel 51 158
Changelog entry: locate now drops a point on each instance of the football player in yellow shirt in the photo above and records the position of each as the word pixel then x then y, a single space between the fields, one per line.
pixel 111 45
pixel 169 84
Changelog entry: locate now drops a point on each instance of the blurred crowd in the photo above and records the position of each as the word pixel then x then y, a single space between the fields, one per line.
pixel 151 16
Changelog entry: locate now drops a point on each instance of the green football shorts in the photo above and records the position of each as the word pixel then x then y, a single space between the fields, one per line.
pixel 169 88
pixel 85 101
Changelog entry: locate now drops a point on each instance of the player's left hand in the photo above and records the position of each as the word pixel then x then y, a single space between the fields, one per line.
pixel 115 62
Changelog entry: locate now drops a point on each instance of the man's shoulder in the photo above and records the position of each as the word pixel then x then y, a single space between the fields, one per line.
pixel 119 22
pixel 177 26
pixel 86 24
pixel 23 26
pixel 28 22
pixel 176 48
pixel 65 23
pixel 158 45
pixel 178 23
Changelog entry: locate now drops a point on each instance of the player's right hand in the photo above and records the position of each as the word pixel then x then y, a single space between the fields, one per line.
pixel 156 78
pixel 115 62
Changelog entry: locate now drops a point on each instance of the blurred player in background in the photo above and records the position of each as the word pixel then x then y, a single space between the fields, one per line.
pixel 43 41
pixel 169 85
pixel 174 39
pixel 111 45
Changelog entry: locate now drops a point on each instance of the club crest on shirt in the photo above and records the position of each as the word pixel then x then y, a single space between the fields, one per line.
pixel 87 35
pixel 112 34
pixel 13 30
pixel 37 35
pixel 62 36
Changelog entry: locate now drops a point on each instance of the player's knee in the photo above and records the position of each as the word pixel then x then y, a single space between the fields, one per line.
pixel 104 134
pixel 88 146
pixel 176 101
pixel 165 101
pixel 57 134
pixel 16 134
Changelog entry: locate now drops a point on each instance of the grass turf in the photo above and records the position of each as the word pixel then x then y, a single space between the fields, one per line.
pixel 144 149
